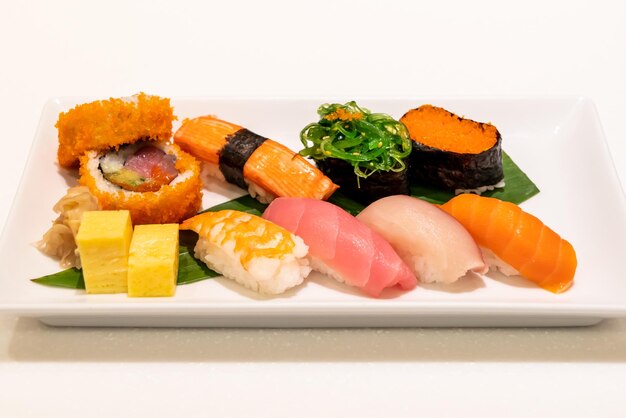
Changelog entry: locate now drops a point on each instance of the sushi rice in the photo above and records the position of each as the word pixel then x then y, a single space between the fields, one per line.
pixel 255 190
pixel 256 253
pixel 174 202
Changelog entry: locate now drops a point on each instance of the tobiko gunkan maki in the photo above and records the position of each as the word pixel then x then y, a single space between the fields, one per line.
pixel 452 152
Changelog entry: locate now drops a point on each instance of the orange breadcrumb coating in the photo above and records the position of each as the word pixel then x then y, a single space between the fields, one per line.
pixel 171 204
pixel 438 128
pixel 110 123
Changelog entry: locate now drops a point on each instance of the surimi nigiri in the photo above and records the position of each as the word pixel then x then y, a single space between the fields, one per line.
pixel 520 240
pixel 431 242
pixel 341 246
pixel 260 165
pixel 256 253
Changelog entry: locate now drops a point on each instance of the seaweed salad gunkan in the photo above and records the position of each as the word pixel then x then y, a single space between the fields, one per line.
pixel 365 153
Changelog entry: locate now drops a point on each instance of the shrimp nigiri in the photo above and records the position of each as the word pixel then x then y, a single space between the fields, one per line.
pixel 518 239
pixel 264 167
pixel 256 253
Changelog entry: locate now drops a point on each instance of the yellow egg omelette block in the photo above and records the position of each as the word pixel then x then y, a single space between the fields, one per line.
pixel 103 241
pixel 153 261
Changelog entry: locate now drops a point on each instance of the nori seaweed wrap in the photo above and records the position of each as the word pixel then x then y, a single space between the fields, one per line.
pixel 452 152
pixel 365 153
pixel 367 190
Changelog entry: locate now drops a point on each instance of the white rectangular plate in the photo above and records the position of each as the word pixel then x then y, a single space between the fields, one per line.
pixel 558 142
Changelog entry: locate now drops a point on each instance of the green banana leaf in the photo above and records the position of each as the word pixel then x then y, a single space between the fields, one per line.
pixel 190 269
pixel 518 188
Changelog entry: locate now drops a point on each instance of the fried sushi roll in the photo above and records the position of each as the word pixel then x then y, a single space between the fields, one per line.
pixel 453 153
pixel 155 181
pixel 105 124
pixel 254 252
pixel 263 167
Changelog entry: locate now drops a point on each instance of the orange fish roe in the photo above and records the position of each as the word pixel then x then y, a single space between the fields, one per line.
pixel 253 236
pixel 343 114
pixel 170 204
pixel 438 128
pixel 110 123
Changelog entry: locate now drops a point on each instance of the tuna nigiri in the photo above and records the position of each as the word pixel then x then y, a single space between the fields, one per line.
pixel 256 253
pixel 341 246
pixel 264 167
pixel 521 243
pixel 431 242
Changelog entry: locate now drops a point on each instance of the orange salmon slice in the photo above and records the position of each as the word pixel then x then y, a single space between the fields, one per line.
pixel 518 238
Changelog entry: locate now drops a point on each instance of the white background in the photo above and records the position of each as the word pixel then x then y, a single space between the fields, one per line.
pixel 317 48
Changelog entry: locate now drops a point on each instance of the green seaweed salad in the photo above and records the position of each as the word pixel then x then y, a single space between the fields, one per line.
pixel 369 142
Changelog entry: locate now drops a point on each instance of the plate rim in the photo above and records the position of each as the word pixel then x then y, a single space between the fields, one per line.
pixel 444 308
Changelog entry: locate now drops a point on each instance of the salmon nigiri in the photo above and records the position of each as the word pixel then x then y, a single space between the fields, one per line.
pixel 264 167
pixel 342 246
pixel 518 239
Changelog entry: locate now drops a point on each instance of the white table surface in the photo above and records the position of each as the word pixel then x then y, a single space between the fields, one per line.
pixel 321 48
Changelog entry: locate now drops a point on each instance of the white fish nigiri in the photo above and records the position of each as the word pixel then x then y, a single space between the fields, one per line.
pixel 434 244
pixel 341 246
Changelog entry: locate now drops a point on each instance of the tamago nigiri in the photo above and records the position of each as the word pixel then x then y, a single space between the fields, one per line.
pixel 520 242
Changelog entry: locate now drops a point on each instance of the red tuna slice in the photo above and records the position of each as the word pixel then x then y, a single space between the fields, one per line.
pixel 154 164
pixel 322 227
pixel 290 220
pixel 348 247
pixel 294 215
pixel 388 260
pixel 355 252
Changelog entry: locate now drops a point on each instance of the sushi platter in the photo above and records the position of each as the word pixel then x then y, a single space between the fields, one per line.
pixel 557 141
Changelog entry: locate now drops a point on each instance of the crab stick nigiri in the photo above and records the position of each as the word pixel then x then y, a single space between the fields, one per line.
pixel 431 242
pixel 521 243
pixel 264 167
pixel 341 246
pixel 256 253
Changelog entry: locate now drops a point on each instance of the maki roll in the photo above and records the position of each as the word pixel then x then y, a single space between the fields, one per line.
pixel 260 165
pixel 126 161
pixel 365 153
pixel 155 181
pixel 105 124
pixel 453 153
